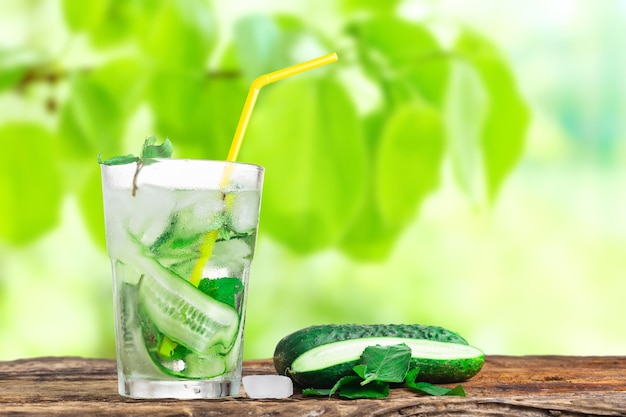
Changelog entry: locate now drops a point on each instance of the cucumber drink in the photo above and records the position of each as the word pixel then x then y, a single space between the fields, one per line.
pixel 181 236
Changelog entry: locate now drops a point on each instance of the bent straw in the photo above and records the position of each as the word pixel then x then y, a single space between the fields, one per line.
pixel 208 241
pixel 206 247
pixel 264 80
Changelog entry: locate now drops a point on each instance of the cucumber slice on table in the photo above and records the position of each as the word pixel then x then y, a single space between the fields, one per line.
pixel 185 314
pixel 318 356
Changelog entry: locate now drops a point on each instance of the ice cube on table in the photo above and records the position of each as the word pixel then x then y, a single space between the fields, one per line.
pixel 245 210
pixel 267 386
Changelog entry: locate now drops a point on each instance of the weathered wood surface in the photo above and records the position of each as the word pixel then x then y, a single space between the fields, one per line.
pixel 507 386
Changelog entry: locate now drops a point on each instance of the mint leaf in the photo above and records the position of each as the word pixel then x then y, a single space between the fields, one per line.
pixel 426 388
pixel 150 150
pixel 352 389
pixel 379 366
pixel 435 390
pixel 222 289
pixel 118 160
pixel 316 392
pixel 360 370
pixel 458 391
pixel 384 363
pixel 343 382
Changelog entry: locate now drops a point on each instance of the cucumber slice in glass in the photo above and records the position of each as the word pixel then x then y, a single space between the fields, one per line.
pixel 185 314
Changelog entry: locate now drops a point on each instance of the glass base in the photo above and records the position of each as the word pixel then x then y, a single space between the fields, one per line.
pixel 184 389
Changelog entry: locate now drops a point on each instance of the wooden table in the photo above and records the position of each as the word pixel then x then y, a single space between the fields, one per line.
pixel 520 386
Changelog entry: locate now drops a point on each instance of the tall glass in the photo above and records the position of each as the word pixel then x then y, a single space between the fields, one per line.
pixel 181 235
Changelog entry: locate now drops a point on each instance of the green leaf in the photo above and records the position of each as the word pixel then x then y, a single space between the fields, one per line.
pixel 30 182
pixel 409 161
pixel 409 57
pixel 14 65
pixel 222 289
pixel 384 363
pixel 180 35
pixel 457 391
pixel 199 113
pixel 351 387
pixel 11 72
pixel 375 6
pixel 316 392
pixel 124 80
pixel 305 132
pixel 257 41
pixel 9 77
pixel 411 375
pixel 465 112
pixel 150 150
pixel 82 15
pixel 118 160
pixel 376 389
pixel 360 370
pixel 369 236
pixel 113 22
pixel 268 43
pixel 506 121
pixel 430 389
pixel 91 120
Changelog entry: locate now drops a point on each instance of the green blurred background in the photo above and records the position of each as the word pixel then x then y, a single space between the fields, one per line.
pixel 463 164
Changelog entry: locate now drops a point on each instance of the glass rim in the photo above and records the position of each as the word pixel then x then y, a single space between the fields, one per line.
pixel 193 160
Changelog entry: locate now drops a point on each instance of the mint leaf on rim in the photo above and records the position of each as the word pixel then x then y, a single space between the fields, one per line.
pixel 118 160
pixel 150 151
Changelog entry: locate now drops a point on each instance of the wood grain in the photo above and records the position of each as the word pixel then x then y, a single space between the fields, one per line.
pixel 506 386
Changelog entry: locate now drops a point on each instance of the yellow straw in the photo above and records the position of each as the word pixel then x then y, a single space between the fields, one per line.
pixel 211 236
pixel 208 241
pixel 254 92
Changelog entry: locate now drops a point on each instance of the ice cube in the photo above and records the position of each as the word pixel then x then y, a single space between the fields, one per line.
pixel 245 211
pixel 233 254
pixel 203 210
pixel 152 208
pixel 267 386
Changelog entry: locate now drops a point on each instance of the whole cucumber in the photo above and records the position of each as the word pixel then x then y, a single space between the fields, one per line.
pixel 318 356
